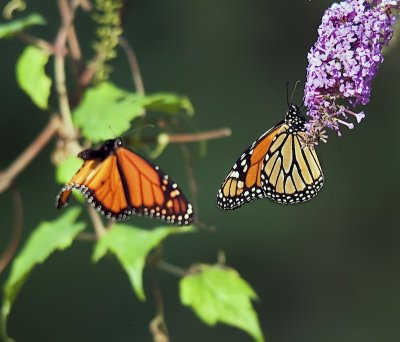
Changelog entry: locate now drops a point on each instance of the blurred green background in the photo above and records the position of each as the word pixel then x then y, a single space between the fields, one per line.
pixel 325 271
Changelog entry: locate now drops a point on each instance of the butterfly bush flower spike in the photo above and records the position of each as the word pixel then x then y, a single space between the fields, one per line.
pixel 343 62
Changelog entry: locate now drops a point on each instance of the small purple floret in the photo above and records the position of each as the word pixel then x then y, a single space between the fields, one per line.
pixel 343 62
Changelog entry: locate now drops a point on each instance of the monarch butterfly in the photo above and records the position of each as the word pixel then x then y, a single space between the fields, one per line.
pixel 276 166
pixel 118 182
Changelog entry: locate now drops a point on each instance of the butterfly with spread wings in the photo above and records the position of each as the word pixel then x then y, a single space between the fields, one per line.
pixel 118 182
pixel 277 166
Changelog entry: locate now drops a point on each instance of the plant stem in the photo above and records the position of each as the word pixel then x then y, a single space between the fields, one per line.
pixel 158 329
pixel 59 73
pixel 87 237
pixel 167 267
pixel 134 65
pixel 38 42
pixel 19 164
pixel 201 136
pixel 97 222
pixel 158 326
pixel 17 231
pixel 67 16
pixel 76 52
pixel 188 164
pixel 88 74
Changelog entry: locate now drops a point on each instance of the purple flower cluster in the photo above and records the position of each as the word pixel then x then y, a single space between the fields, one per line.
pixel 343 62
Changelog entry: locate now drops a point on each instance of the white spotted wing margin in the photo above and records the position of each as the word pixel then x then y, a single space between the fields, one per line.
pixel 243 182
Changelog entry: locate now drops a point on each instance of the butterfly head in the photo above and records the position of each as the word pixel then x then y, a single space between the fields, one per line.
pixel 111 145
pixel 294 118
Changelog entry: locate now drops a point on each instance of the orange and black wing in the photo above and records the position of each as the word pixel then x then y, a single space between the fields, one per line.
pixel 243 182
pixel 101 184
pixel 291 172
pixel 150 192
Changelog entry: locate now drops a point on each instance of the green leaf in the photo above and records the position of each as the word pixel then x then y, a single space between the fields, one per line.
pixel 67 169
pixel 31 75
pixel 169 103
pixel 106 112
pixel 131 246
pixel 45 239
pixel 10 28
pixel 219 294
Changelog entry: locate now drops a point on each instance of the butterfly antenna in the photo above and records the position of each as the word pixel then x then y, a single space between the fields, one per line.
pixel 137 129
pixel 294 90
pixel 287 93
pixel 113 133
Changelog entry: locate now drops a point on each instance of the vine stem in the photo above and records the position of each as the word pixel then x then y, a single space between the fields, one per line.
pixel 134 65
pixel 188 164
pixel 169 268
pixel 67 16
pixel 65 111
pixel 19 164
pixel 201 136
pixel 17 231
pixel 75 50
pixel 38 42
pixel 158 326
pixel 97 222
pixel 87 237
pixel 88 74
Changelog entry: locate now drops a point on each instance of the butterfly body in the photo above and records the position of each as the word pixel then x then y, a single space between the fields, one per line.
pixel 107 148
pixel 118 182
pixel 276 166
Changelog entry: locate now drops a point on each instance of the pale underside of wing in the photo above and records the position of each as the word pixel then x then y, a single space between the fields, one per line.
pixel 291 173
pixel 243 182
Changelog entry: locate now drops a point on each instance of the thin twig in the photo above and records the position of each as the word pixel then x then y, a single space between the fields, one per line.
pixel 97 222
pixel 188 162
pixel 74 47
pixel 156 329
pixel 77 63
pixel 169 268
pixel 67 16
pixel 19 164
pixel 88 74
pixel 87 237
pixel 166 138
pixel 158 326
pixel 201 136
pixel 134 65
pixel 38 42
pixel 76 54
pixel 17 231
